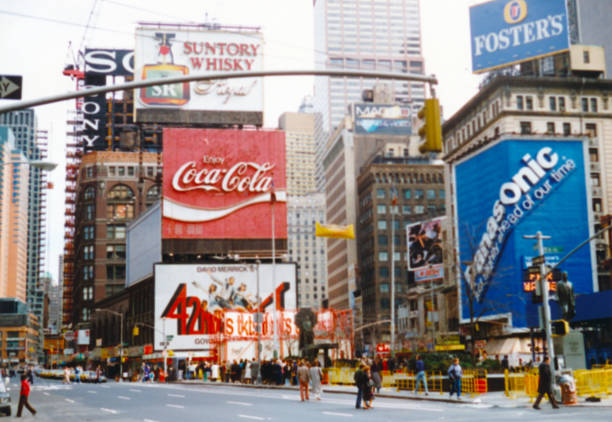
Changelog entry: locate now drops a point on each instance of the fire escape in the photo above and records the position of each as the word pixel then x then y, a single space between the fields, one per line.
pixel 74 153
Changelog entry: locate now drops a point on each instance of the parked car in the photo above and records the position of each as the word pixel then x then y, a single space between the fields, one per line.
pixel 5 400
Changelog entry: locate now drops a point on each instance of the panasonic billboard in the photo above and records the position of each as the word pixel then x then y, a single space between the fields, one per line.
pixel 505 32
pixel 517 187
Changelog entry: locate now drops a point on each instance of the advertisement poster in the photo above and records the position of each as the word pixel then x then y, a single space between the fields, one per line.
pixel 167 52
pixel 516 188
pixel 223 184
pixel 425 249
pixel 200 305
pixel 504 32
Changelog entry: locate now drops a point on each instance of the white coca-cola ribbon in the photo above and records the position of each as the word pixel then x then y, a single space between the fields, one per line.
pixel 181 212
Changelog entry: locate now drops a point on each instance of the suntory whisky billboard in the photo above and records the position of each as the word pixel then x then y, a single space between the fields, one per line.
pixel 168 51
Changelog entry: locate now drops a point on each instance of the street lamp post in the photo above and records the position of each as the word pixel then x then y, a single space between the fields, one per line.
pixel 275 323
pixel 120 338
pixel 258 322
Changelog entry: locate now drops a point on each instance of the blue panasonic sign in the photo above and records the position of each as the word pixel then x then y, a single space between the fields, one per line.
pixel 512 31
pixel 515 188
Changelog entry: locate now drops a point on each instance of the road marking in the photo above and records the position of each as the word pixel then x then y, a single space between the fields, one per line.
pixel 92 392
pixel 114 412
pixel 135 391
pixel 239 403
pixel 124 398
pixel 178 406
pixel 149 420
pixel 176 395
pixel 46 394
pixel 105 386
pixel 69 400
pixel 348 415
pixel 257 418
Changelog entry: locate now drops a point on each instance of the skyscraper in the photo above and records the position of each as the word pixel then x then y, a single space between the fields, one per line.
pixel 382 35
pixel 33 146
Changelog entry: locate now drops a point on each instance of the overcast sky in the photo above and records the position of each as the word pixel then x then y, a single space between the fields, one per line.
pixel 39 37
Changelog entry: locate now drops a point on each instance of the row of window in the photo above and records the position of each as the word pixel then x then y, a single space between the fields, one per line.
pixel 557 103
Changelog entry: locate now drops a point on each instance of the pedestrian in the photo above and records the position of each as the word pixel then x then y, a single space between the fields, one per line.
pixel 376 367
pixel 248 374
pixel 77 374
pixel 98 374
pixel 303 374
pixel 544 384
pixel 419 369
pixel 454 375
pixel 315 379
pixel 368 389
pixel 255 371
pixel 66 375
pixel 361 382
pixel 504 363
pixel 23 397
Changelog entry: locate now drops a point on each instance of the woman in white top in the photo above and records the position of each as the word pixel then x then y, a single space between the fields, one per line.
pixel 315 379
pixel 214 372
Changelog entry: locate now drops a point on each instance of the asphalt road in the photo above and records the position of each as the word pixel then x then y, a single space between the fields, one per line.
pixel 182 403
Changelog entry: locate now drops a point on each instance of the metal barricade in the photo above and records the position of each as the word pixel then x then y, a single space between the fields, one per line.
pixel 593 382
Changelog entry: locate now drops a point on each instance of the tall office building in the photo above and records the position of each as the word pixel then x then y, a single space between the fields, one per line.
pixel 13 218
pixel 382 35
pixel 299 137
pixel 33 146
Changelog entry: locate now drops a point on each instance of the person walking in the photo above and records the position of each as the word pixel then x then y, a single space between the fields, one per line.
pixel 23 397
pixel 361 380
pixel 368 389
pixel 376 367
pixel 419 369
pixel 66 375
pixel 544 384
pixel 303 374
pixel 315 379
pixel 454 375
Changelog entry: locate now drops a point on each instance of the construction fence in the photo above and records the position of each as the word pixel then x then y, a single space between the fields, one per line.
pixel 595 382
pixel 472 382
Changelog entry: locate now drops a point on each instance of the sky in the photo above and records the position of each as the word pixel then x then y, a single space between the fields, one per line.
pixel 38 38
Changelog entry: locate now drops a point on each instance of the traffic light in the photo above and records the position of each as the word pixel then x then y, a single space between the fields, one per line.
pixel 431 131
pixel 135 331
pixel 559 327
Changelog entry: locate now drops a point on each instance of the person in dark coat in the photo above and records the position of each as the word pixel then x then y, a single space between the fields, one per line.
pixel 544 385
pixel 361 380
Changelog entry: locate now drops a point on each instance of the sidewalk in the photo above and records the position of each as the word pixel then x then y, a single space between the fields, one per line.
pixel 491 399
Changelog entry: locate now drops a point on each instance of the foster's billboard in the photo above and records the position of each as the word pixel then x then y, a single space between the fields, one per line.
pixel 511 31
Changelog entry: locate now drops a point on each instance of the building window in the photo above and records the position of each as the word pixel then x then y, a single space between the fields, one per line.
pixel 384 287
pixel 88 232
pixel 153 194
pixel 407 193
pixel 120 192
pixel 585 105
pixel 89 194
pixel 519 102
pixel 418 193
pixel 115 231
pixel 382 240
pixel 552 103
pixel 431 194
pixel 586 57
pixel 567 129
pixel 441 194
pixel 419 209
pixel 591 130
pixel 120 211
pixel 381 193
pixel 88 252
pixel 382 224
pixel 550 128
pixel 381 209
pixel 593 102
pixel 529 102
pixel 383 256
pixel 90 212
pixel 561 103
pixel 383 271
pixel 525 128
pixel 115 251
pixel 115 272
pixel 406 210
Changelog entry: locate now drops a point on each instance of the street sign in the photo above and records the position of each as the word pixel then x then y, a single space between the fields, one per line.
pixel 169 338
pixel 538 260
pixel 10 87
pixel 533 269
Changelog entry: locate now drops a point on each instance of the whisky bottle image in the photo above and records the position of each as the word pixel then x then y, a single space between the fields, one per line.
pixel 173 94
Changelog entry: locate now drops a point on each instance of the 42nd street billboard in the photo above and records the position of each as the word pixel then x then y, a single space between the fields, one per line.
pixel 512 31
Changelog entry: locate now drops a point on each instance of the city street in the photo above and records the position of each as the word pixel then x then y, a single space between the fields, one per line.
pixel 179 402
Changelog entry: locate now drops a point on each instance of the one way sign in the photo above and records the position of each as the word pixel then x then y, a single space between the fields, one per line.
pixel 10 87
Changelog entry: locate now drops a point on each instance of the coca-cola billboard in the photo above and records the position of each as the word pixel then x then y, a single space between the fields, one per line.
pixel 223 184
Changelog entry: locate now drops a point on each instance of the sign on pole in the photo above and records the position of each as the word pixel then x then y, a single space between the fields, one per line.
pixel 10 87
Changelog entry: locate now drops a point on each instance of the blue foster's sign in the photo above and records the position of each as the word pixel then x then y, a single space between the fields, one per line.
pixel 515 188
pixel 512 31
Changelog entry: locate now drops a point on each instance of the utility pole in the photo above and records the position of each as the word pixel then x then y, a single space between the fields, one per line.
pixel 393 273
pixel 545 305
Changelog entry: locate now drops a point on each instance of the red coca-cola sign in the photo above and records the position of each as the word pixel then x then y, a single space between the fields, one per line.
pixel 221 184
